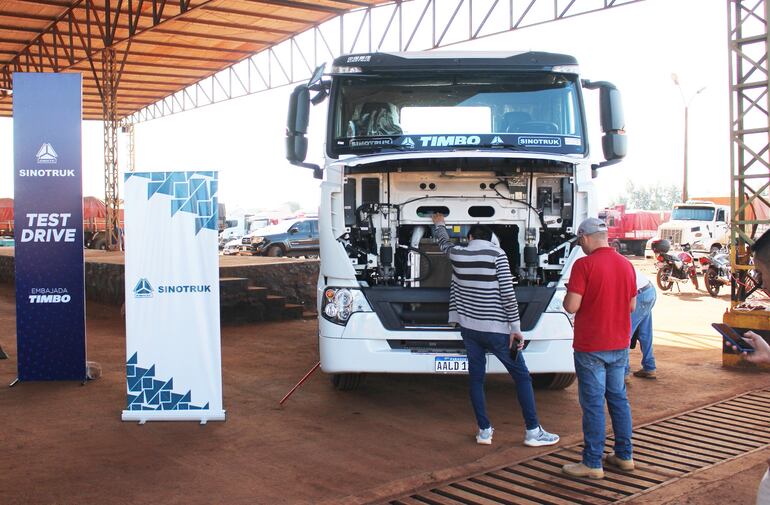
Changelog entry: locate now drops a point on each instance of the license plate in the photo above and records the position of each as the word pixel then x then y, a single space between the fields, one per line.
pixel 451 364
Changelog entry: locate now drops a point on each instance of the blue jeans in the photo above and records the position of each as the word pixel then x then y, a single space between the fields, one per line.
pixel 600 377
pixel 477 344
pixel 641 318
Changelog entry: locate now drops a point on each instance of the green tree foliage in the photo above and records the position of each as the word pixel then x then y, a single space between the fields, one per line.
pixel 652 197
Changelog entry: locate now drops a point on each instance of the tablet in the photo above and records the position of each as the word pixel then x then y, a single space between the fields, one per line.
pixel 734 336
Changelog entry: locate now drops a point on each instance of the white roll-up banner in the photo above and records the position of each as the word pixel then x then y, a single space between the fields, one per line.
pixel 173 366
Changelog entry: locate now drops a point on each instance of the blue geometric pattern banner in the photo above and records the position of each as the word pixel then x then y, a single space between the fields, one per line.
pixel 154 394
pixel 193 192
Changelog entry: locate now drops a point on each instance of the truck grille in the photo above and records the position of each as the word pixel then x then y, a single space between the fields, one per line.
pixel 674 236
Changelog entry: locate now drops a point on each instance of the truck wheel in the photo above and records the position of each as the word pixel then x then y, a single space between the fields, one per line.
pixel 346 381
pixel 99 244
pixel 639 249
pixel 615 244
pixel 275 251
pixel 553 380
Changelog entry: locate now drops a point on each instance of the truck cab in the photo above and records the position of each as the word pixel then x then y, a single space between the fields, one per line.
pixel 702 225
pixel 493 138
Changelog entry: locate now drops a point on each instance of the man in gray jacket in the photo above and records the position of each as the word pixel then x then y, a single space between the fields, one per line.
pixel 483 303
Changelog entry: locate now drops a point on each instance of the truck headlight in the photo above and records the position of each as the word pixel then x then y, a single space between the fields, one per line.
pixel 339 304
pixel 557 304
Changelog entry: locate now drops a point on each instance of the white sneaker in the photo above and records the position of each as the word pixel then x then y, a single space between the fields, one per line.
pixel 484 437
pixel 539 437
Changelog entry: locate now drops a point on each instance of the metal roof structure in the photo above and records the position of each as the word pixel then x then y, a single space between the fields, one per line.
pixel 143 59
pixel 160 46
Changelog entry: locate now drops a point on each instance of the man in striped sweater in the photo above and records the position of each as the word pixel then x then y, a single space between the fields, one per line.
pixel 483 303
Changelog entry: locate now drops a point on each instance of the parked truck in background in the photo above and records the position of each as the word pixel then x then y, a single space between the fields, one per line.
pixel 493 138
pixel 701 224
pixel 629 230
pixel 235 228
pixel 6 217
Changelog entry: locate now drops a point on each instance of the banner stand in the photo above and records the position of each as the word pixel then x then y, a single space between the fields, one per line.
pixel 188 416
pixel 173 349
pixel 48 227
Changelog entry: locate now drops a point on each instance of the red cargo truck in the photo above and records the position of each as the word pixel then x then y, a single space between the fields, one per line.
pixel 630 230
pixel 6 217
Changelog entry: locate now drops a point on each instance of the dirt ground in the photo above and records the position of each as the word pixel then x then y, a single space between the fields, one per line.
pixel 63 443
pixel 118 257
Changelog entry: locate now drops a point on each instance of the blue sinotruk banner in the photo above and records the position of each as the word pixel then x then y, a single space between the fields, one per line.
pixel 48 226
pixel 173 350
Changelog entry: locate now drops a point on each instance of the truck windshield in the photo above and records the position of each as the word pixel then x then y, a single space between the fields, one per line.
pixel 693 214
pixel 532 111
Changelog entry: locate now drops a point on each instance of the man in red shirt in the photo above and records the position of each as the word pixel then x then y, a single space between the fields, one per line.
pixel 602 294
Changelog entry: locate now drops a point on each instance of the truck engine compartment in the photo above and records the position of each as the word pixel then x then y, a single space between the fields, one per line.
pixel 388 235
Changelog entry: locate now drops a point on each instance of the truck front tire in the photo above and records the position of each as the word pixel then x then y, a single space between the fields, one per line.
pixel 553 380
pixel 346 381
pixel 275 251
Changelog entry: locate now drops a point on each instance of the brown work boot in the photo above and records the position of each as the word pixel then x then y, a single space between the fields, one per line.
pixel 581 470
pixel 646 374
pixel 627 465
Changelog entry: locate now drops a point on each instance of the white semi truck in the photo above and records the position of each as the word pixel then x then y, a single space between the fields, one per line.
pixel 702 225
pixel 492 138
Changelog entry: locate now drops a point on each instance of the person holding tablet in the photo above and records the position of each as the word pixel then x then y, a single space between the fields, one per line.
pixel 761 354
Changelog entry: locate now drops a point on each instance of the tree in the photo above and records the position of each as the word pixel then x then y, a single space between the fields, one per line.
pixel 293 206
pixel 652 197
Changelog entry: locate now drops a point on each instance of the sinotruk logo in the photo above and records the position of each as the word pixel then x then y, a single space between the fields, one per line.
pixel 46 154
pixel 143 289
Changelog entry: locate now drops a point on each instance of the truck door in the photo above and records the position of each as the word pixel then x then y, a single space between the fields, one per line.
pixel 722 228
pixel 301 236
pixel 315 243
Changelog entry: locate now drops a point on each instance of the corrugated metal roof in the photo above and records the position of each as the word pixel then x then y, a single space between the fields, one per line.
pixel 162 46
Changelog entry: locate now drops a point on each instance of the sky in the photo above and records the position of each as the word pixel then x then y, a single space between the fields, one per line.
pixel 637 47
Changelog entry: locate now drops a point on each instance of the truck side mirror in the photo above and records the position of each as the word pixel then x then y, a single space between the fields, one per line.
pixel 614 145
pixel 614 142
pixel 296 129
pixel 296 124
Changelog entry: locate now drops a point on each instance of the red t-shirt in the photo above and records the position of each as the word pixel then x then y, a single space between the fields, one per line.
pixel 607 282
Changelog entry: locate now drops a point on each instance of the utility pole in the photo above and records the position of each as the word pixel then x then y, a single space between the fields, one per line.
pixel 686 104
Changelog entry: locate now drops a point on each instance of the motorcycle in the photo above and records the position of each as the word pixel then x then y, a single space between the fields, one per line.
pixel 716 271
pixel 676 268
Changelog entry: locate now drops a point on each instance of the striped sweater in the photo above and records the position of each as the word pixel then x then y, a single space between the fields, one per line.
pixel 481 296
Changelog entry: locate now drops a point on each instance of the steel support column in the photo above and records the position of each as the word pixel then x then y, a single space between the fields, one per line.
pixel 109 85
pixel 749 129
pixel 127 127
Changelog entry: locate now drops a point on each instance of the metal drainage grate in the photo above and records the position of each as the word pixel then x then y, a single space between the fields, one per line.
pixel 664 451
